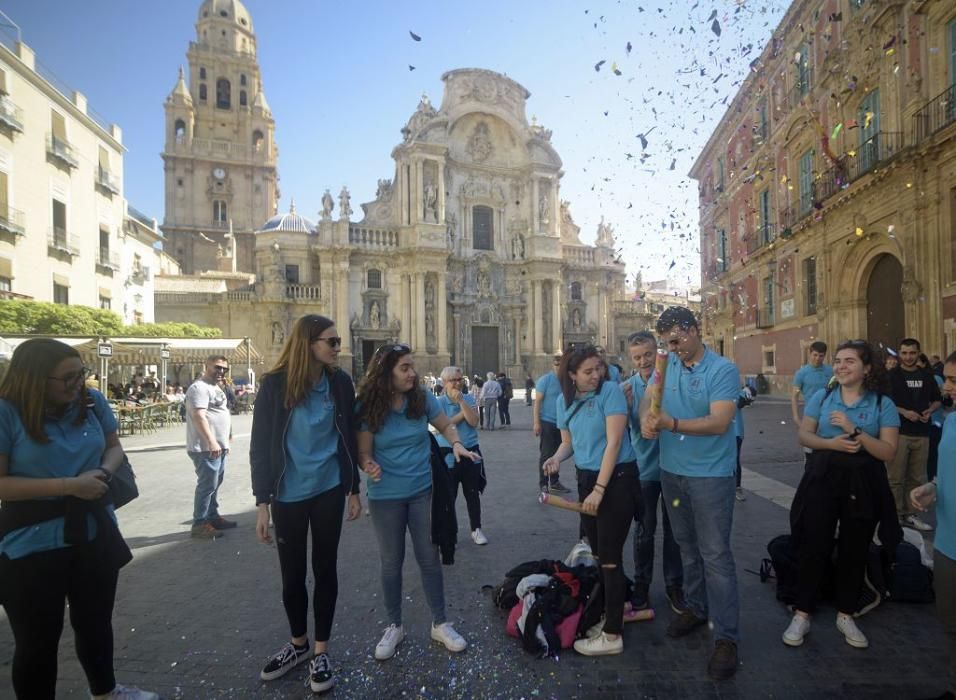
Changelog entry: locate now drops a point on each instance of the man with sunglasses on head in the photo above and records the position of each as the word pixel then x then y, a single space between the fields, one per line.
pixel 208 432
pixel 544 424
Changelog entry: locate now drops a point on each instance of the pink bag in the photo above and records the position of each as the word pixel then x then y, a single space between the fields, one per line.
pixel 566 629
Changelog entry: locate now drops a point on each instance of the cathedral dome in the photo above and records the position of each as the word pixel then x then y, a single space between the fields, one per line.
pixel 290 222
pixel 226 9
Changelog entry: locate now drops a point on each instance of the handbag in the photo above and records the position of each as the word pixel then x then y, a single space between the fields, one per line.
pixel 122 482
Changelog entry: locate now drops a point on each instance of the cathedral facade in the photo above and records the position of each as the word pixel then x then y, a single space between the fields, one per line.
pixel 468 253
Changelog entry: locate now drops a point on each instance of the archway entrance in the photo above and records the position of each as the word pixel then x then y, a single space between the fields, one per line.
pixel 885 317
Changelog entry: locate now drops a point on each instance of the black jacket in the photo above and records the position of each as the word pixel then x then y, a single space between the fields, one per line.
pixel 444 520
pixel 270 421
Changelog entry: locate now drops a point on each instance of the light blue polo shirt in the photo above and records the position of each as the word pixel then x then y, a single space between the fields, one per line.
pixel 588 426
pixel 939 415
pixel 466 432
pixel 648 451
pixel 613 373
pixel 547 388
pixel 403 450
pixel 71 450
pixel 809 379
pixel 945 540
pixel 864 413
pixel 688 394
pixel 311 447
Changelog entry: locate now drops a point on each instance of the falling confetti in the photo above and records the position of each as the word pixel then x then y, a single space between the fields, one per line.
pixel 414 36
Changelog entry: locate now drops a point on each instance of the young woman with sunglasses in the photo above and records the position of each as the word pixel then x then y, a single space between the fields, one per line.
pixel 592 415
pixel 395 453
pixel 852 430
pixel 305 467
pixel 59 540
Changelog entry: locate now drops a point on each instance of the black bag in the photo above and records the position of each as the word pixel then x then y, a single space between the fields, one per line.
pixel 782 565
pixel 911 582
pixel 122 485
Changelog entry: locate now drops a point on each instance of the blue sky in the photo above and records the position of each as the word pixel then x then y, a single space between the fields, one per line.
pixel 337 78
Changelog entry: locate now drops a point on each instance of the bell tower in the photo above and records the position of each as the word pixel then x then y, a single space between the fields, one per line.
pixel 220 155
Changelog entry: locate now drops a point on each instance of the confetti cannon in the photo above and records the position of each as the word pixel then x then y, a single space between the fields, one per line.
pixel 550 499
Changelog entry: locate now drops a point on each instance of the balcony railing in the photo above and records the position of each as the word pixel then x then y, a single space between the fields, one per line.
pixel 763 235
pixel 107 180
pixel 139 216
pixel 877 149
pixel 61 149
pixel 939 113
pixel 12 220
pixel 307 292
pixel 801 89
pixel 10 114
pixel 578 255
pixel 765 318
pixel 59 241
pixel 372 237
pixel 108 260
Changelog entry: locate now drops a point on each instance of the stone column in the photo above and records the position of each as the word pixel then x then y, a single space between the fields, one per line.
pixel 441 192
pixel 405 297
pixel 342 304
pixel 441 312
pixel 601 308
pixel 418 299
pixel 516 325
pixel 553 225
pixel 534 205
pixel 556 317
pixel 419 208
pixel 536 321
pixel 458 351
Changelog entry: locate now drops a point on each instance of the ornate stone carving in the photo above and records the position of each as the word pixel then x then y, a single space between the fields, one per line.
pixel 374 315
pixel 517 247
pixel 451 223
pixel 327 206
pixel 423 114
pixel 345 210
pixel 430 202
pixel 544 204
pixel 479 146
pixel 278 333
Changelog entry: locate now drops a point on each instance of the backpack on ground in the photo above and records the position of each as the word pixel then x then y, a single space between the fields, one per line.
pixel 782 566
pixel 911 582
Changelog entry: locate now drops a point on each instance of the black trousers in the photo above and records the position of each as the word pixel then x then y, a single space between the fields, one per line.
pixel 34 591
pixel 932 459
pixel 740 442
pixel 549 441
pixel 827 502
pixel 468 474
pixel 504 410
pixel 323 515
pixel 607 533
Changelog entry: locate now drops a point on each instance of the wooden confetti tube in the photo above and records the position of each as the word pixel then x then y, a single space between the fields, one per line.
pixel 657 381
pixel 550 499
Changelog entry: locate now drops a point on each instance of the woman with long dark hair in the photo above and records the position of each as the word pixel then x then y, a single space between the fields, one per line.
pixel 592 414
pixel 852 429
pixel 395 452
pixel 305 467
pixel 59 540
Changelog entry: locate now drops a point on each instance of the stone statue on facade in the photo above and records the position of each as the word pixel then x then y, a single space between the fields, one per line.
pixel 278 334
pixel 431 203
pixel 451 223
pixel 345 210
pixel 517 247
pixel 484 282
pixel 480 146
pixel 544 207
pixel 327 206
pixel 576 319
pixel 374 315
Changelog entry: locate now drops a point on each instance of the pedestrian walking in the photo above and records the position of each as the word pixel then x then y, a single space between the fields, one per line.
pixel 698 460
pixel 504 401
pixel 547 390
pixel 208 434
pixel 462 412
pixel 490 393
pixel 592 416
pixel 304 461
pixel 852 430
pixel 744 399
pixel 394 451
pixel 643 351
pixel 59 539
pixel 528 388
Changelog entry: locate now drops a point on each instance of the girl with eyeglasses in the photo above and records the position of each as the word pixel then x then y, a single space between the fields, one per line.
pixel 59 540
pixel 305 468
pixel 592 415
pixel 852 429
pixel 395 453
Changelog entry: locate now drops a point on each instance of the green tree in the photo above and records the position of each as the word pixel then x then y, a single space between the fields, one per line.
pixel 171 329
pixel 22 317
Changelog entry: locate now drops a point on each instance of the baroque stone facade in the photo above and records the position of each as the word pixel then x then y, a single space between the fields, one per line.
pixel 828 191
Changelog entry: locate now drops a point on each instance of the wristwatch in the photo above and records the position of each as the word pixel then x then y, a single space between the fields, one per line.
pixel 856 432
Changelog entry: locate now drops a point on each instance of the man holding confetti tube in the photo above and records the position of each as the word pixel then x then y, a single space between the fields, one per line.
pixel 698 457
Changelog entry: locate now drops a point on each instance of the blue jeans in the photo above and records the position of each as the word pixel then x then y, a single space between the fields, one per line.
pixel 390 518
pixel 701 511
pixel 209 474
pixel 644 542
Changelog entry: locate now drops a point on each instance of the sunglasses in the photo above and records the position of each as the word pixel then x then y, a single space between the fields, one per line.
pixel 73 377
pixel 385 350
pixel 219 369
pixel 334 341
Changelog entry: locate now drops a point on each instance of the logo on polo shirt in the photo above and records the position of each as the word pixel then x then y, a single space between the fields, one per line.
pixel 695 385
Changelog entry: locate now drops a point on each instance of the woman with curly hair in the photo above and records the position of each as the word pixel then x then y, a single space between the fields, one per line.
pixel 305 468
pixel 395 452
pixel 852 429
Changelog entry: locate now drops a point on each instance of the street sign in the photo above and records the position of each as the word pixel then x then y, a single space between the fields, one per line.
pixel 104 350
pixel 164 354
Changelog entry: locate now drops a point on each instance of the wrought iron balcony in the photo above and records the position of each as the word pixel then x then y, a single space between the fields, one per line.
pixel 765 318
pixel 801 89
pixel 12 220
pixel 107 180
pixel 764 234
pixel 59 241
pixel 61 150
pixel 108 261
pixel 877 149
pixel 939 113
pixel 10 114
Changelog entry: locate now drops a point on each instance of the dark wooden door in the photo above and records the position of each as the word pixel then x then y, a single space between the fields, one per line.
pixel 484 350
pixel 885 317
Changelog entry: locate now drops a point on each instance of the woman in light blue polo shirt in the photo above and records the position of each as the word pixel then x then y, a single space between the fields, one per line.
pixel 852 430
pixel 58 533
pixel 395 452
pixel 592 415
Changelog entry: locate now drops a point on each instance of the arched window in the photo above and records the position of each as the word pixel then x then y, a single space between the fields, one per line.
pixel 180 130
pixel 242 98
pixel 242 79
pixel 202 91
pixel 575 291
pixel 223 94
pixel 483 228
pixel 219 211
pixel 257 139
pixel 202 73
pixel 374 279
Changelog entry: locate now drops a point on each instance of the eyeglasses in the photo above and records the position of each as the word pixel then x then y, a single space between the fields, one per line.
pixel 73 377
pixel 333 342
pixel 219 369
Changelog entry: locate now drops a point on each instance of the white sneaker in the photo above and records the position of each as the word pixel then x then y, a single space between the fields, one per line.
pixel 914 522
pixel 600 645
pixel 854 637
pixel 125 692
pixel 739 495
pixel 385 649
pixel 478 537
pixel 447 635
pixel 798 629
pixel 595 630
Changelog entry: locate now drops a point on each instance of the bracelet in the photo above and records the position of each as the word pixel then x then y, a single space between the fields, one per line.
pixel 676 423
pixel 457 442
pixel 600 486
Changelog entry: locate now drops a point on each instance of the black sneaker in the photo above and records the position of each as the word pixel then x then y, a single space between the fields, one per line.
pixel 284 660
pixel 639 599
pixel 675 596
pixel 558 487
pixel 320 674
pixel 723 662
pixel 684 624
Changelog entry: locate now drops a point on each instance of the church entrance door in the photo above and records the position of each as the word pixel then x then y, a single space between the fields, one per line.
pixel 484 350
pixel 368 350
pixel 885 316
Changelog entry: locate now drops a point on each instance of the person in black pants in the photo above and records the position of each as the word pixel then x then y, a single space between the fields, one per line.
pixel 58 451
pixel 305 465
pixel 504 401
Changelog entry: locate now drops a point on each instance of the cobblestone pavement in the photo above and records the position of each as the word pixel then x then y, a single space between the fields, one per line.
pixel 197 619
